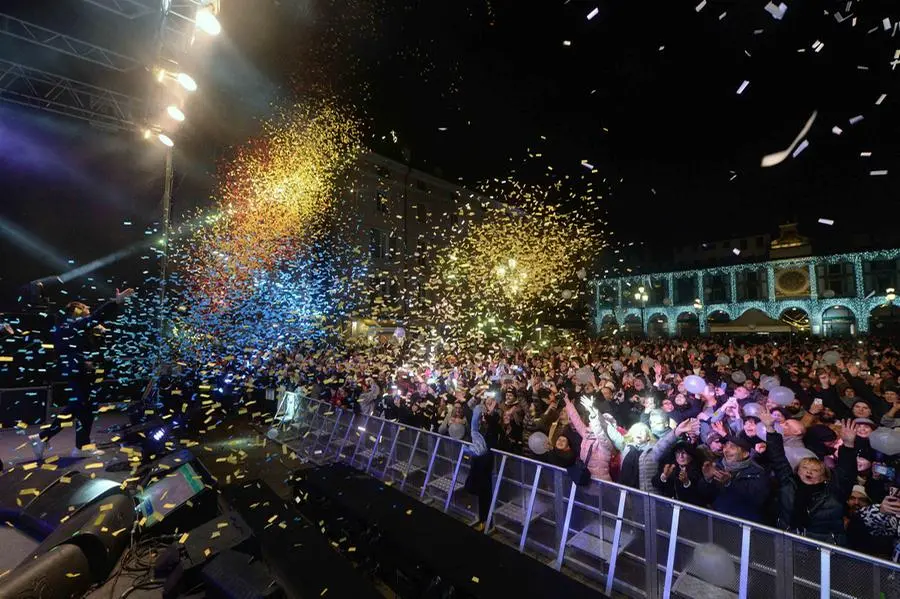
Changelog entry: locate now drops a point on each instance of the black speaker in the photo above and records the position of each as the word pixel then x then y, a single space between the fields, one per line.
pixel 62 572
pixel 228 531
pixel 101 532
pixel 236 575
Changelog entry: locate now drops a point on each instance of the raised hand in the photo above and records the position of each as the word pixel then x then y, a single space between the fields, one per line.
pixel 121 296
pixel 719 427
pixel 683 476
pixel 848 433
pixel 709 470
pixel 766 418
pixel 668 469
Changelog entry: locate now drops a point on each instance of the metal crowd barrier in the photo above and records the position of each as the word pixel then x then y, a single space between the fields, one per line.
pixel 616 538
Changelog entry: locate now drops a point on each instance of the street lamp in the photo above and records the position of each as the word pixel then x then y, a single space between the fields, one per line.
pixel 641 296
pixel 890 296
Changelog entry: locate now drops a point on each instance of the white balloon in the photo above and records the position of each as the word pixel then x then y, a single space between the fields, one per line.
pixel 584 375
pixel 694 384
pixel 769 382
pixel 831 357
pixel 713 564
pixel 723 359
pixel 618 366
pixel 538 443
pixel 567 294
pixel 581 273
pixel 752 409
pixel 457 430
pixel 781 395
pixel 886 440
pixel 795 454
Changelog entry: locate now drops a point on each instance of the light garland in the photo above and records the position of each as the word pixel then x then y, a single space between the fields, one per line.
pixel 813 305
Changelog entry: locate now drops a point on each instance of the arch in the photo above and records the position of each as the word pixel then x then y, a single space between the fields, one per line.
pixel 797 317
pixel 838 321
pixel 718 316
pixel 632 325
pixel 687 325
pixel 658 325
pixel 884 320
pixel 608 324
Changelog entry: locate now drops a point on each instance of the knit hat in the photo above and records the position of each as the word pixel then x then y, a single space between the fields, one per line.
pixel 713 437
pixel 865 421
pixel 860 490
pixel 741 441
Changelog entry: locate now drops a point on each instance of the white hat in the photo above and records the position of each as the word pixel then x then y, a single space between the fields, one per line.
pixel 860 490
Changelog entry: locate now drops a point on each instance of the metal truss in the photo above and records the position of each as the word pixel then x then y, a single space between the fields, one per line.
pixel 127 9
pixel 65 44
pixel 26 86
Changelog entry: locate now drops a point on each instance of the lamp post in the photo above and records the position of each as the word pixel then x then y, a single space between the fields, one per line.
pixel 641 296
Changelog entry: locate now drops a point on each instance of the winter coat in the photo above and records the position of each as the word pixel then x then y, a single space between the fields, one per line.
pixel 826 507
pixel 744 496
pixel 648 462
pixel 596 451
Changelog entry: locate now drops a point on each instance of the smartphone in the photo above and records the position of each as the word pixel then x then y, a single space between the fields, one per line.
pixel 883 470
pixel 818 401
pixel 723 386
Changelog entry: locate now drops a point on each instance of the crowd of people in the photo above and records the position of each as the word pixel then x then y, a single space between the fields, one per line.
pixel 798 435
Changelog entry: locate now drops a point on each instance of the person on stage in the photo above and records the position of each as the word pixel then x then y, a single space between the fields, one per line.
pixel 76 361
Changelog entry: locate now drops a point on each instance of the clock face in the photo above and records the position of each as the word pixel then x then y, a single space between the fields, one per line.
pixel 792 281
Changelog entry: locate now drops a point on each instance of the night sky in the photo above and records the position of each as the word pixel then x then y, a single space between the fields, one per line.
pixel 646 92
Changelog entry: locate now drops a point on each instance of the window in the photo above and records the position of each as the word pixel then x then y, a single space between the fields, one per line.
pixel 421 214
pixel 726 245
pixel 715 288
pixel 381 201
pixel 685 290
pixel 743 244
pixel 836 280
pixel 879 275
pixel 454 218
pixel 421 186
pixel 394 245
pixel 382 171
pixel 759 242
pixel 751 285
pixel 421 250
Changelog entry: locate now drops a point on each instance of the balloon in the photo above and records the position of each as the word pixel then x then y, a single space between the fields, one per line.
pixel 795 454
pixel 781 395
pixel 581 273
pixel 713 564
pixel 886 440
pixel 584 375
pixel 457 430
pixel 567 294
pixel 739 377
pixel 618 366
pixel 694 384
pixel 538 443
pixel 831 357
pixel 635 353
pixel 723 360
pixel 769 382
pixel 752 409
pixel 399 332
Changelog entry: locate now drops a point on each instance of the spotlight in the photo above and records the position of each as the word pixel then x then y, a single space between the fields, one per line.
pixel 148 134
pixel 175 113
pixel 166 140
pixel 207 21
pixel 186 81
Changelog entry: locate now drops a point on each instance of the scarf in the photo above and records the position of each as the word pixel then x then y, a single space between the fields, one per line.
pixel 736 466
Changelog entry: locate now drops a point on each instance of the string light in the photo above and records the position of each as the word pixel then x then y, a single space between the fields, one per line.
pixel 814 305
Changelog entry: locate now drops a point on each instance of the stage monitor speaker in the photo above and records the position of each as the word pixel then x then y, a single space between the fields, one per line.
pixel 101 531
pixel 236 575
pixel 62 572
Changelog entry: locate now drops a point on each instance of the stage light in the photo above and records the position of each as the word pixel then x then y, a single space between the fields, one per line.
pixel 147 133
pixel 175 113
pixel 207 21
pixel 166 140
pixel 186 81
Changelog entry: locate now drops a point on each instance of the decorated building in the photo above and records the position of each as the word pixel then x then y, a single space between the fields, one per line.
pixel 830 295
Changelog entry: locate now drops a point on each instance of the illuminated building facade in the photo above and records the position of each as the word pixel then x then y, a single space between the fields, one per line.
pixel 831 295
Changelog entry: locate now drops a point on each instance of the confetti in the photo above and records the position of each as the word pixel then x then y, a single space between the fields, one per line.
pixel 779 157
pixel 879 173
pixel 700 6
pixel 778 11
pixel 593 13
pixel 742 87
pixel 826 221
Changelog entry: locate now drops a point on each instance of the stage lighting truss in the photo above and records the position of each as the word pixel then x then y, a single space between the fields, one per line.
pixel 176 27
pixel 25 86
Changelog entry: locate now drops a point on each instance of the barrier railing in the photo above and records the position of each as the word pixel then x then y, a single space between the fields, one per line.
pixel 618 538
